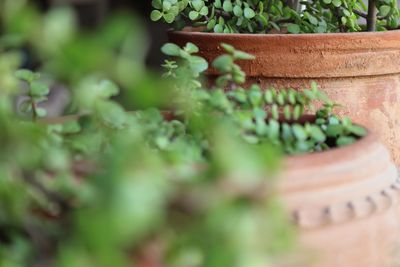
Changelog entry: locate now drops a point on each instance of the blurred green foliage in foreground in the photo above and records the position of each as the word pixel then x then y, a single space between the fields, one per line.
pixel 95 191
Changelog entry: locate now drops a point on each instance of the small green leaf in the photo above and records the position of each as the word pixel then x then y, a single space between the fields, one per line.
pixel 287 112
pixel 170 49
pixel 384 10
pixel 346 13
pixel 334 130
pixel 156 4
pixel 27 75
pixel 191 48
pixel 261 128
pixel 259 114
pixel 169 17
pixel 240 55
pixel 269 96
pixel 193 15
pixel 249 13
pixel 71 127
pixel 198 64
pixel 313 20
pixel 251 139
pixel 41 112
pixel 238 11
pixel 346 122
pixel 204 11
pixel 219 28
pixel 287 134
pixel 299 132
pixel 156 15
pixel 211 24
pixel 255 97
pixel 239 95
pixel 337 3
pixel 358 130
pixel 218 4
pixel 293 28
pixel 228 48
pixel 26 106
pixel 111 114
pixel 227 6
pixel 280 99
pixel 297 112
pixel 162 142
pixel 223 63
pixel 39 89
pixel 317 134
pixel 345 141
pixel 166 5
pixel 108 89
pixel 275 111
pixel 274 127
pixel 197 5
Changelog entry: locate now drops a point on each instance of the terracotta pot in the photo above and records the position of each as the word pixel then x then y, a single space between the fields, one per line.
pixel 345 204
pixel 359 70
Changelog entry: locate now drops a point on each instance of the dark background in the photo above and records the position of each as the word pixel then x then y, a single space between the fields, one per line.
pixel 92 12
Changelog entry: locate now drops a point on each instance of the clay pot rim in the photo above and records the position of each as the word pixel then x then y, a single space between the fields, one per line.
pixel 351 35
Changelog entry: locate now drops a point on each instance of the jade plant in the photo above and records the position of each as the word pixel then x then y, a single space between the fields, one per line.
pixel 110 186
pixel 107 187
pixel 266 16
pixel 273 116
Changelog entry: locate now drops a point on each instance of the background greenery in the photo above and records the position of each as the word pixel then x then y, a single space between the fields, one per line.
pixel 272 16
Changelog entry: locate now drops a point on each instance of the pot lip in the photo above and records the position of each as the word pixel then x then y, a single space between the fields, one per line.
pixel 190 31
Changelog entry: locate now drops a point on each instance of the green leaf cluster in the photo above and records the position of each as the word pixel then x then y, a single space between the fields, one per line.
pixel 270 16
pixel 272 116
pixel 102 186
pixel 280 117
pixel 37 93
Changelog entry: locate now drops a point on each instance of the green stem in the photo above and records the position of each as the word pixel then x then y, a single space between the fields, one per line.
pixel 34 111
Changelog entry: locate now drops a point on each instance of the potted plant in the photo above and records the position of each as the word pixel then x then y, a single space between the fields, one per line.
pixel 177 191
pixel 337 182
pixel 327 43
pixel 159 204
pixel 108 187
pixel 111 186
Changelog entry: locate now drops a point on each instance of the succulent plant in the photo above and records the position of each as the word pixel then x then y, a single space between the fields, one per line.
pixel 275 116
pixel 265 16
pixel 108 187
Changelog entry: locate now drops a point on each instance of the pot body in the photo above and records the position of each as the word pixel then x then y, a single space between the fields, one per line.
pixel 345 204
pixel 361 71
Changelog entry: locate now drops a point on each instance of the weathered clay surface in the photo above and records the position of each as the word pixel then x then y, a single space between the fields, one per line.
pixel 345 203
pixel 359 70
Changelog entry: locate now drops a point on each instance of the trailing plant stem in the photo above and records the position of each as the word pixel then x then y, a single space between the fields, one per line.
pixel 34 110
